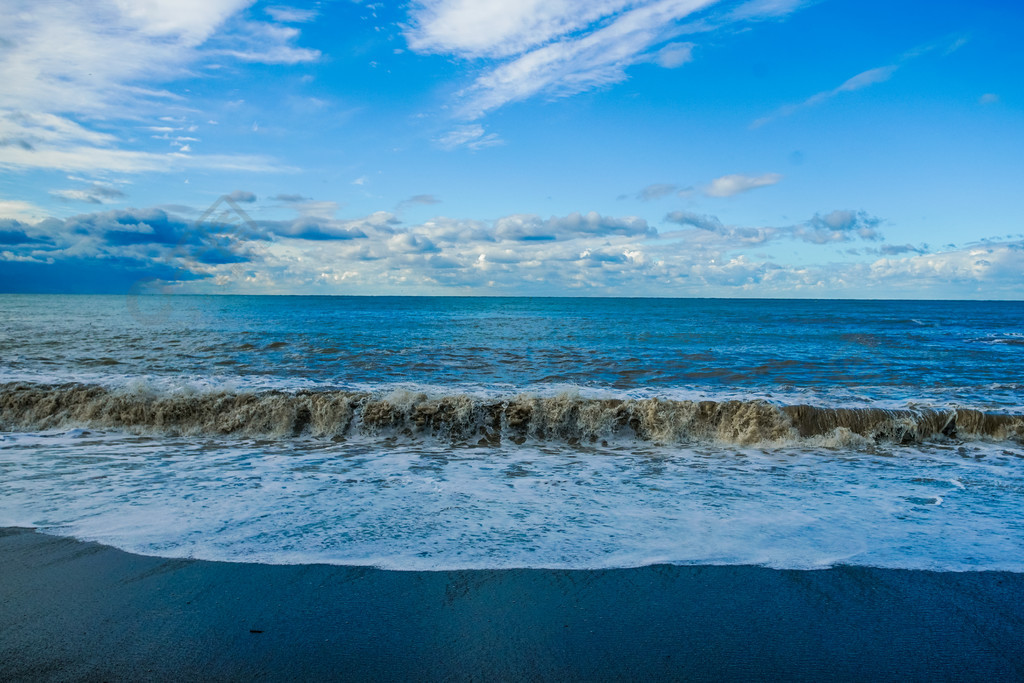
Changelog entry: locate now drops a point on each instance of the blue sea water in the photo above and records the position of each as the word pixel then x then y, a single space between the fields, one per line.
pixel 431 433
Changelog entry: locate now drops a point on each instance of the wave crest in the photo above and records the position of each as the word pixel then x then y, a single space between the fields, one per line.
pixel 568 418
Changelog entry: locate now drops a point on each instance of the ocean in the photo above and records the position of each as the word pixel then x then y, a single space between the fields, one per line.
pixel 462 433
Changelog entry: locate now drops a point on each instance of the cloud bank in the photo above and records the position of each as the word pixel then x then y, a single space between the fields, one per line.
pixel 844 254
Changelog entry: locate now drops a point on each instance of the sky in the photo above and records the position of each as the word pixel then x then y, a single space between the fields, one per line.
pixel 680 148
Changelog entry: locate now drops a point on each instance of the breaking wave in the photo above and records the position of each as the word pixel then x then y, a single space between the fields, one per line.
pixel 568 417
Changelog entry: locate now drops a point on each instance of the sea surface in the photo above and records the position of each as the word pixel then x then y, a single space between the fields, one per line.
pixel 444 433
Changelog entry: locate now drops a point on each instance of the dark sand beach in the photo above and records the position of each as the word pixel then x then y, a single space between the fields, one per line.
pixel 71 610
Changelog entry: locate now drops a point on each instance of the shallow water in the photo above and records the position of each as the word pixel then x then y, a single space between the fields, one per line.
pixel 456 433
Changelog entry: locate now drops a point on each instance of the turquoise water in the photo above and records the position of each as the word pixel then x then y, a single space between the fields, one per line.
pixel 476 432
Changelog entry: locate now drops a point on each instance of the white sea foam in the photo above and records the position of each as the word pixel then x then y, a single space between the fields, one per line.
pixel 413 505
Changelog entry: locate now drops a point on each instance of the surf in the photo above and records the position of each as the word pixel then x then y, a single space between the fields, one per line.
pixel 486 420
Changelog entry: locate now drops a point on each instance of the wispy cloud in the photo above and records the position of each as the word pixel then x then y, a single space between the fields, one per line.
pixel 94 194
pixel 500 28
pixel 87 158
pixel 730 185
pixel 724 186
pixel 290 15
pixel 418 200
pixel 69 91
pixel 656 191
pixel 559 48
pixel 577 63
pixel 860 81
pixel 472 136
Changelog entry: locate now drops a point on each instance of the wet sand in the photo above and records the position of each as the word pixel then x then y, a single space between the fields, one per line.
pixel 71 611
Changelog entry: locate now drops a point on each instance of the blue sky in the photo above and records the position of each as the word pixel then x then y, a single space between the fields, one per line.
pixel 638 148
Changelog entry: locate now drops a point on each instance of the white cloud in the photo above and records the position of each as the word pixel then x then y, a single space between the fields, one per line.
pixel 73 57
pixel 689 219
pixel 864 79
pixel 557 48
pixel 988 98
pixel 31 130
pixel 84 158
pixel 291 15
pixel 763 9
pixel 729 185
pixel 583 253
pixel 472 136
pixel 530 227
pixel 94 194
pixel 191 20
pixel 266 44
pixel 837 226
pixel 674 55
pixel 79 77
pixel 576 63
pixel 20 210
pixel 499 28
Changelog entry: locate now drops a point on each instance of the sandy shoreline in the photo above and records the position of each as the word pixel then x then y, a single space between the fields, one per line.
pixel 71 610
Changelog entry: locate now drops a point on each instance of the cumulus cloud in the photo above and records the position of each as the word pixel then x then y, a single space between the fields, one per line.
pixel 688 219
pixel 313 229
pixel 578 253
pixel 836 226
pixel 730 185
pixel 530 227
pixel 14 232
